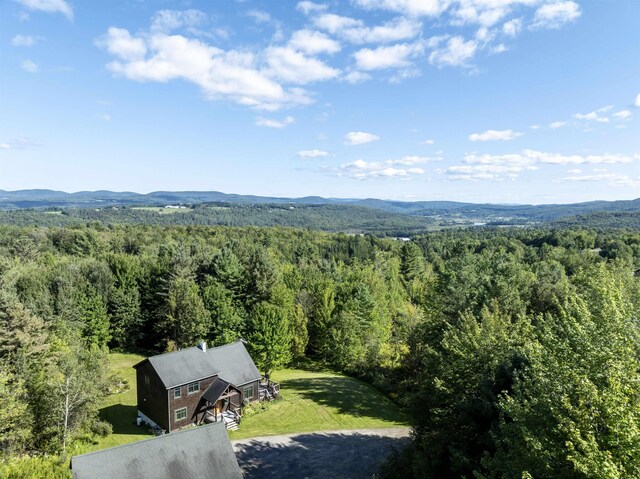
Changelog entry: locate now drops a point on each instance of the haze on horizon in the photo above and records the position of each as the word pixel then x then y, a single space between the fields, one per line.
pixel 508 101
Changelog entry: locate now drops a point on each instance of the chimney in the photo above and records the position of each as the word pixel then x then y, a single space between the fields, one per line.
pixel 203 346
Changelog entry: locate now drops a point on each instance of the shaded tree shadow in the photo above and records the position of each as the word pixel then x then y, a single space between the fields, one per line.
pixel 122 418
pixel 347 395
pixel 316 455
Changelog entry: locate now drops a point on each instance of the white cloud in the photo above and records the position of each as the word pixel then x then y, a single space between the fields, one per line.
pixel 355 31
pixel 530 157
pixel 428 142
pixel 431 8
pixel 456 52
pixel 558 159
pixel 259 16
pixel 235 75
pixel 402 168
pixel 334 24
pixel 481 12
pixel 356 77
pixel 637 101
pixel 512 27
pixel 486 172
pixel 394 56
pixel 24 40
pixel 271 123
pixel 29 66
pixel 18 144
pixel 555 14
pixel 169 20
pixel 594 115
pixel 493 135
pixel 623 114
pixel 313 154
pixel 535 127
pixel 612 179
pixel 359 138
pixel 313 42
pixel 119 42
pixel 50 6
pixel 509 166
pixel 500 48
pixel 287 64
pixel 307 7
pixel 104 116
pixel 557 124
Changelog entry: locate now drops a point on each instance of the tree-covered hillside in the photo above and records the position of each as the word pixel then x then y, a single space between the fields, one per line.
pixel 515 352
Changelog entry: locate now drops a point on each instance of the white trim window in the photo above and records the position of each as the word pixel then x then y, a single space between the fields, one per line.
pixel 180 414
pixel 177 392
pixel 193 387
pixel 247 393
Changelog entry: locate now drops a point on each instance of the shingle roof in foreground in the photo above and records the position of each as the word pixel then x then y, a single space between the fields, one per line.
pixel 203 451
pixel 231 362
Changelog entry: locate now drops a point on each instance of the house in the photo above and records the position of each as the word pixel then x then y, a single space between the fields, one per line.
pixel 197 385
pixel 197 452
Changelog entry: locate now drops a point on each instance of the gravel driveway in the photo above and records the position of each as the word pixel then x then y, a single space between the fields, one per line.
pixel 322 454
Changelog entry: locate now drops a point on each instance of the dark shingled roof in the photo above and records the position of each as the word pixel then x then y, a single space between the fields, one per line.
pixel 215 390
pixel 231 362
pixel 234 363
pixel 203 451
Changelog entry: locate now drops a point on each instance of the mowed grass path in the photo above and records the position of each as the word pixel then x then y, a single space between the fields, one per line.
pixel 310 401
pixel 321 401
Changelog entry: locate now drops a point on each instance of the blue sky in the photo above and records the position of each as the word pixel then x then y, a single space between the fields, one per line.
pixel 509 101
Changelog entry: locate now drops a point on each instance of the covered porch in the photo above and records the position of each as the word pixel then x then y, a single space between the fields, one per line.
pixel 221 403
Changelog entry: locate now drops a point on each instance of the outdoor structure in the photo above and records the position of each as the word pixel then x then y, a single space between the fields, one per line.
pixel 198 452
pixel 197 385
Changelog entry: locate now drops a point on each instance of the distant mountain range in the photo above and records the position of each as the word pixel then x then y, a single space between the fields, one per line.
pixel 47 199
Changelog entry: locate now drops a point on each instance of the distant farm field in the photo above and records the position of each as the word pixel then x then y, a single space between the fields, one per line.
pixel 161 210
pixel 310 401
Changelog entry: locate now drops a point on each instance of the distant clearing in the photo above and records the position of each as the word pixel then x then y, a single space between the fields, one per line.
pixel 161 210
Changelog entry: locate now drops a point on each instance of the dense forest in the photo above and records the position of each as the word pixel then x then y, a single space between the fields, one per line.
pixel 331 218
pixel 515 352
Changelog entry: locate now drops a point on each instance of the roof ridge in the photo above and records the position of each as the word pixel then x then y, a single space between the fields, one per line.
pixel 168 353
pixel 225 345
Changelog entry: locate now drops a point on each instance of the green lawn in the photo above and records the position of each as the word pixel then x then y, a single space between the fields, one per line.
pixel 314 401
pixel 310 401
pixel 120 409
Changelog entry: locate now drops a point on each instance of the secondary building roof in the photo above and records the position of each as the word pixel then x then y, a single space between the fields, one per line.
pixel 203 451
pixel 231 362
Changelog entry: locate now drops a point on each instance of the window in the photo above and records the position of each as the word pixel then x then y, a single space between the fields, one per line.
pixel 147 381
pixel 247 392
pixel 194 387
pixel 181 414
pixel 177 392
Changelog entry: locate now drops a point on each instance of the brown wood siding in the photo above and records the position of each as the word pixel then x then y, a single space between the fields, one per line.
pixel 190 401
pixel 256 391
pixel 152 397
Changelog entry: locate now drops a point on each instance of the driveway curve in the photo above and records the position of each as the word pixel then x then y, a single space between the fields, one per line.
pixel 352 454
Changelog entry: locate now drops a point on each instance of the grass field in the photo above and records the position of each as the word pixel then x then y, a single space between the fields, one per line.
pixel 310 401
pixel 314 401
pixel 160 209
